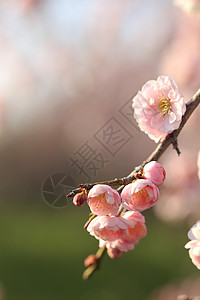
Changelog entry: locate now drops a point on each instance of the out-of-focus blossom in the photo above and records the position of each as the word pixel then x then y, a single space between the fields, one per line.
pixel 189 6
pixel 198 164
pixel 194 244
pixel 139 195
pixel 103 200
pixel 189 287
pixel 194 252
pixel 114 253
pixel 158 107
pixel 182 183
pixel 180 59
pixel 194 232
pixel 154 172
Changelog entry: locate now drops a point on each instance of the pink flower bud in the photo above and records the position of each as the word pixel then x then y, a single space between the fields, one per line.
pixel 114 253
pixel 90 260
pixel 103 200
pixel 154 172
pixel 80 198
pixel 139 195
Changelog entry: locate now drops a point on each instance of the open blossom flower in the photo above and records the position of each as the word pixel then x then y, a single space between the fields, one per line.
pixel 194 232
pixel 139 230
pixel 103 200
pixel 194 252
pixel 109 229
pixel 194 244
pixel 139 195
pixel 159 107
pixel 136 230
pixel 154 172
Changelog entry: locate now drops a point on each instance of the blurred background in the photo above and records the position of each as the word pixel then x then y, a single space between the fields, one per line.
pixel 68 72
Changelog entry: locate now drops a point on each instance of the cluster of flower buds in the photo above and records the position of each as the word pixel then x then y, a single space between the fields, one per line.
pixel 121 232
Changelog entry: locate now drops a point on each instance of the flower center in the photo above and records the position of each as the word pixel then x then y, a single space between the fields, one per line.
pixel 165 105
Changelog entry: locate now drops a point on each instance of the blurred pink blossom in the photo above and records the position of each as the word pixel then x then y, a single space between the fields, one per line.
pixel 158 107
pixel 194 232
pixel 139 195
pixel 103 200
pixel 181 184
pixel 154 172
pixel 194 244
pixel 198 164
pixel 181 60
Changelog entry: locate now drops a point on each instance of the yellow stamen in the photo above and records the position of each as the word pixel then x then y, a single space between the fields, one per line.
pixel 165 105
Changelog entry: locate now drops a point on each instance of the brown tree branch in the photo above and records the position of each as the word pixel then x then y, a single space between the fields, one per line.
pixel 155 155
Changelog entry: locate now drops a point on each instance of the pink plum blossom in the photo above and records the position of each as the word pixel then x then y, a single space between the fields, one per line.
pixel 127 239
pixel 159 107
pixel 103 200
pixel 108 229
pixel 139 230
pixel 194 244
pixel 194 252
pixel 135 232
pixel 194 232
pixel 154 172
pixel 139 195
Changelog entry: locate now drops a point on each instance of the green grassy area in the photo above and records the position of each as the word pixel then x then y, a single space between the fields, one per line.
pixel 42 253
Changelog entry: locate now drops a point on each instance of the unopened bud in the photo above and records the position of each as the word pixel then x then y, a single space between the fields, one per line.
pixel 90 260
pixel 80 198
pixel 114 253
pixel 154 172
